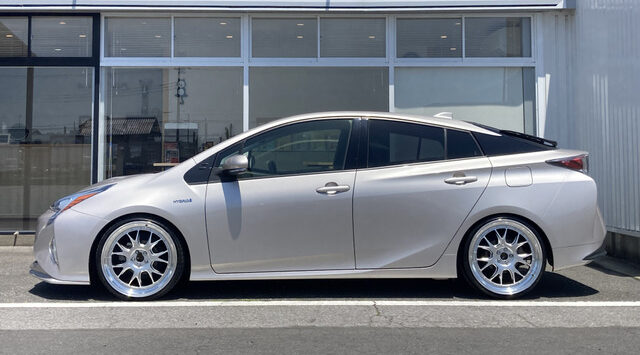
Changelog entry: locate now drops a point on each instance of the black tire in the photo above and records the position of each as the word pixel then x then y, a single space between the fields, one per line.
pixel 470 272
pixel 168 282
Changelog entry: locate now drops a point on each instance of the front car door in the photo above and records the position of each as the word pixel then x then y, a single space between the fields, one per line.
pixel 420 184
pixel 292 209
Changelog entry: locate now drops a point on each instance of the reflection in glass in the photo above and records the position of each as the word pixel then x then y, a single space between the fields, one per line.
pixel 45 140
pixel 498 37
pixel 429 38
pixel 279 92
pixel 301 148
pixel 137 37
pixel 156 118
pixel 499 97
pixel 352 37
pixel 284 38
pixel 207 37
pixel 53 36
pixel 14 36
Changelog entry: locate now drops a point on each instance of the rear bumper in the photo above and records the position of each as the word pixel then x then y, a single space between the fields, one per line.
pixel 37 272
pixel 567 257
pixel 600 252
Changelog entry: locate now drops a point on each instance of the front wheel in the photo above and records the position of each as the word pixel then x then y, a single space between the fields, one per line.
pixel 139 259
pixel 504 258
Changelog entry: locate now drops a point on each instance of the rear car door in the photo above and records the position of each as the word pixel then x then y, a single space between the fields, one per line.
pixel 292 209
pixel 419 185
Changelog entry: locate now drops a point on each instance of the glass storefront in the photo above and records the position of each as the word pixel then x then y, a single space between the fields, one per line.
pixel 44 148
pixel 277 92
pixel 171 86
pixel 499 97
pixel 157 118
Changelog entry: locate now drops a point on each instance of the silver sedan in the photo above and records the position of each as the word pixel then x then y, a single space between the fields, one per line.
pixel 334 195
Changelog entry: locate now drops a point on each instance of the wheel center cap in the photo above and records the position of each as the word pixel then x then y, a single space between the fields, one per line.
pixel 139 257
pixel 504 256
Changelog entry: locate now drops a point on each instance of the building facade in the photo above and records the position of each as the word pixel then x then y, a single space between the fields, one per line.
pixel 96 89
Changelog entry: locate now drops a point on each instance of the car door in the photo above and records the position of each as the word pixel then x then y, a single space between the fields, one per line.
pixel 419 185
pixel 292 209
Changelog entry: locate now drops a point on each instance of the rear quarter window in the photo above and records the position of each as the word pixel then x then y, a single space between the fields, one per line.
pixel 461 145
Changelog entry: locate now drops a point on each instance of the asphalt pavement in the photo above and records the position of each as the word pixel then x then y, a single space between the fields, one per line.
pixel 589 309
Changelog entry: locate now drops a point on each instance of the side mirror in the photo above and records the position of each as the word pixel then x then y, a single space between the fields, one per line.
pixel 235 164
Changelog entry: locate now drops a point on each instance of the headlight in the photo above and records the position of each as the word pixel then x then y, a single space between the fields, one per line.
pixel 67 202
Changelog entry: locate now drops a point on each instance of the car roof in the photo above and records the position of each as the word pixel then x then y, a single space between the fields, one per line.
pixel 442 122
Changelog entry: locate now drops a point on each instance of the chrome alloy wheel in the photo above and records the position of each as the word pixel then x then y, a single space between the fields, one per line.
pixel 505 257
pixel 139 259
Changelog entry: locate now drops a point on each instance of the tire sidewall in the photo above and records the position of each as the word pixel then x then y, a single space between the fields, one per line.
pixel 464 263
pixel 175 278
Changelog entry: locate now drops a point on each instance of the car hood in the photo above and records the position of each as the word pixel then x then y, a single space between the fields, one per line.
pixel 121 179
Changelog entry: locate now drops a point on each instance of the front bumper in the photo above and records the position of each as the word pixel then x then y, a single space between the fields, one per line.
pixel 38 272
pixel 62 248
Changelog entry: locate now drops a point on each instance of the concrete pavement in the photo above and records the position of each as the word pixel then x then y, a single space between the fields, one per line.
pixel 587 309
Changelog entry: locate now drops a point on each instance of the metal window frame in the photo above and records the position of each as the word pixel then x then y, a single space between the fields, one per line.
pixel 92 61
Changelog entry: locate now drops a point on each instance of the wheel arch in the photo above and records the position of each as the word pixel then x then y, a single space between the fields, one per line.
pixel 96 240
pixel 467 235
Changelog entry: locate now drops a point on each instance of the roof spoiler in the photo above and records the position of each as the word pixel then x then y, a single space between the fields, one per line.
pixel 529 137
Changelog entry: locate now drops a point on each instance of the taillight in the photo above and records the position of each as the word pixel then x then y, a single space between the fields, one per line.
pixel 578 163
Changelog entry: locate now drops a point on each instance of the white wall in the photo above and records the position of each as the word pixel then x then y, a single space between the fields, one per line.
pixel 592 62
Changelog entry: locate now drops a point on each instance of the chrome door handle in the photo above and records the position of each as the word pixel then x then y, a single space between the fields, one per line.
pixel 461 180
pixel 331 188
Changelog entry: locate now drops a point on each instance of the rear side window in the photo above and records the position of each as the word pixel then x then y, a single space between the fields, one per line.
pixel 461 145
pixel 392 143
pixel 505 144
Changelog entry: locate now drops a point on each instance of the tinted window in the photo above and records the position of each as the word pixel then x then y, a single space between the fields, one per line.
pixel 501 145
pixel 299 148
pixel 352 37
pixel 461 145
pixel 284 38
pixel 68 36
pixel 207 37
pixel 429 37
pixel 393 143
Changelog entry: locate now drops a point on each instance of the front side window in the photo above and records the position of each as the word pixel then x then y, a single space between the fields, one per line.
pixel 299 148
pixel 392 143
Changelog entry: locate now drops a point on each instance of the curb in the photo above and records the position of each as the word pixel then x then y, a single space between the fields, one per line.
pixel 16 240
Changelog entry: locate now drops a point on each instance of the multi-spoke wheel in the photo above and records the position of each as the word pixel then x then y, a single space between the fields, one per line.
pixel 504 258
pixel 140 259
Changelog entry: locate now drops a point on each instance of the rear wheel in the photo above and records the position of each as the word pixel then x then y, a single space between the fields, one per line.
pixel 139 259
pixel 504 258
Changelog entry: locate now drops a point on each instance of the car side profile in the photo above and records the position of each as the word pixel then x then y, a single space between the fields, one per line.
pixel 334 195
